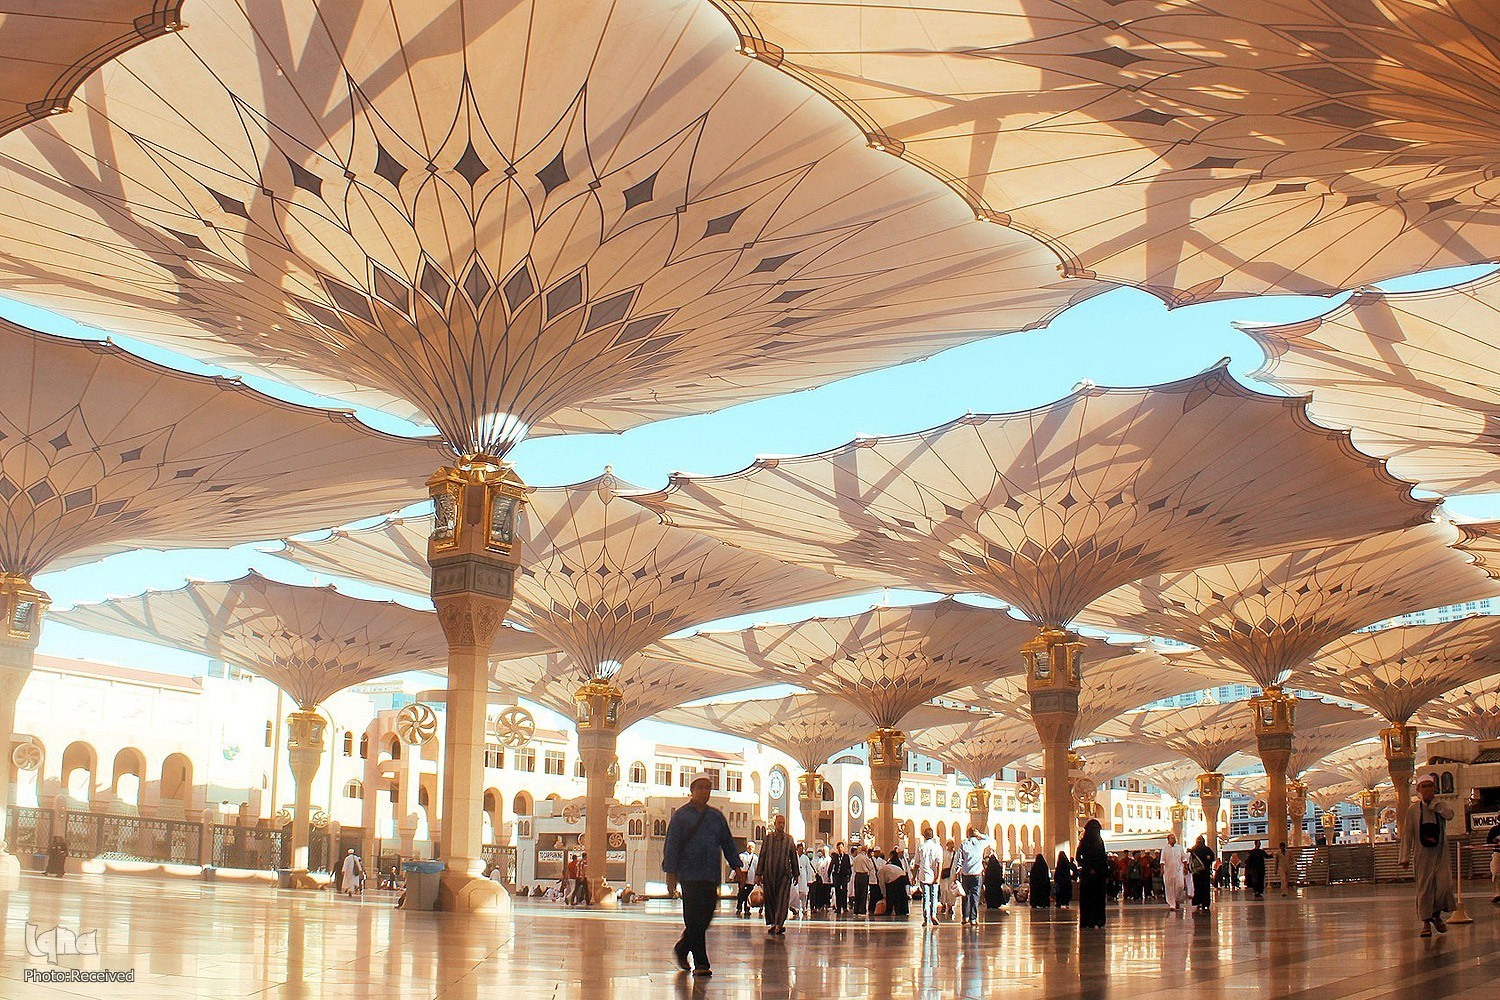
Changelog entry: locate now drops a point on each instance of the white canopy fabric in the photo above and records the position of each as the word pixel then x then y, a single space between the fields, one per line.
pixel 1269 616
pixel 1196 150
pixel 102 452
pixel 1398 670
pixel 497 218
pixel 1472 710
pixel 1049 508
pixel 311 642
pixel 1415 375
pixel 885 662
pixel 979 747
pixel 809 728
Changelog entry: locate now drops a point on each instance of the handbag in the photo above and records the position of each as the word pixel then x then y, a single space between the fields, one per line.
pixel 1196 865
pixel 757 896
pixel 880 908
pixel 1429 834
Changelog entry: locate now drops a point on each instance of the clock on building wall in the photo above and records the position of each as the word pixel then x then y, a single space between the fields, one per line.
pixel 776 786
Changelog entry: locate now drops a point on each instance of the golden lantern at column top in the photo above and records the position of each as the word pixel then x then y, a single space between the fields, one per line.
pixel 1210 785
pixel 476 505
pixel 1179 813
pixel 1274 712
pixel 23 606
pixel 977 800
pixel 1054 659
pixel 1075 762
pixel 1400 741
pixel 1369 798
pixel 598 705
pixel 1330 820
pixel 887 747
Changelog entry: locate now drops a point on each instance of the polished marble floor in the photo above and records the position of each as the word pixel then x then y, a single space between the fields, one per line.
pixel 190 940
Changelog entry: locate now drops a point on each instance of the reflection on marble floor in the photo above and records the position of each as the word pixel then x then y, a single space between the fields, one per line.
pixel 190 940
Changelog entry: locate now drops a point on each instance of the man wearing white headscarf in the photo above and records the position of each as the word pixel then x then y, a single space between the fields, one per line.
pixel 1424 848
pixel 1174 877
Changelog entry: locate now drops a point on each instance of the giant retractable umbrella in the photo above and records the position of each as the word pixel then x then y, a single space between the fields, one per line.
pixel 102 452
pixel 1179 779
pixel 601 579
pixel 1413 374
pixel 1049 508
pixel 884 663
pixel 311 642
pixel 1396 671
pixel 1364 766
pixel 810 729
pixel 1472 710
pixel 1270 616
pixel 496 219
pixel 1197 150
pixel 978 748
pixel 1122 678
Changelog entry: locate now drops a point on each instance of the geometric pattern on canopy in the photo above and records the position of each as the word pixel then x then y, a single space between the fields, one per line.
pixel 1269 616
pixel 1116 679
pixel 1046 509
pixel 1106 761
pixel 600 578
pixel 1207 733
pixel 1364 764
pixel 1196 150
pixel 809 728
pixel 311 642
pixel 1416 375
pixel 1397 670
pixel 1472 710
pixel 1178 779
pixel 650 684
pixel 47 50
pixel 979 747
pixel 497 217
pixel 103 452
pixel 1328 728
pixel 885 661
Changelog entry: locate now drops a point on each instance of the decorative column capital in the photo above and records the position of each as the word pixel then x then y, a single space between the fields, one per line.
pixel 978 800
pixel 304 742
pixel 596 704
pixel 887 748
pixel 1179 813
pixel 22 607
pixel 1369 799
pixel 1054 662
pixel 810 787
pixel 1210 785
pixel 474 549
pixel 1399 742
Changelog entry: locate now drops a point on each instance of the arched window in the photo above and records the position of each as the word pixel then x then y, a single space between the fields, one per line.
pixel 348 744
pixel 354 790
pixel 364 747
pixel 637 773
pixel 270 732
pixel 395 748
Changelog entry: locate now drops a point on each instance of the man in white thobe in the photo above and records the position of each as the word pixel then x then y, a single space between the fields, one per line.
pixel 353 869
pixel 1174 875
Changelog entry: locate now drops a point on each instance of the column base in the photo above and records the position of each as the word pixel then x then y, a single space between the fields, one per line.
pixel 460 892
pixel 603 898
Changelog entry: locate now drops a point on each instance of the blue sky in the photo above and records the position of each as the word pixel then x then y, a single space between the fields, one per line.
pixel 1123 337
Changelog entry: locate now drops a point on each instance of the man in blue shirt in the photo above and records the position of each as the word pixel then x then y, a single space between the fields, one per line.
pixel 696 838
